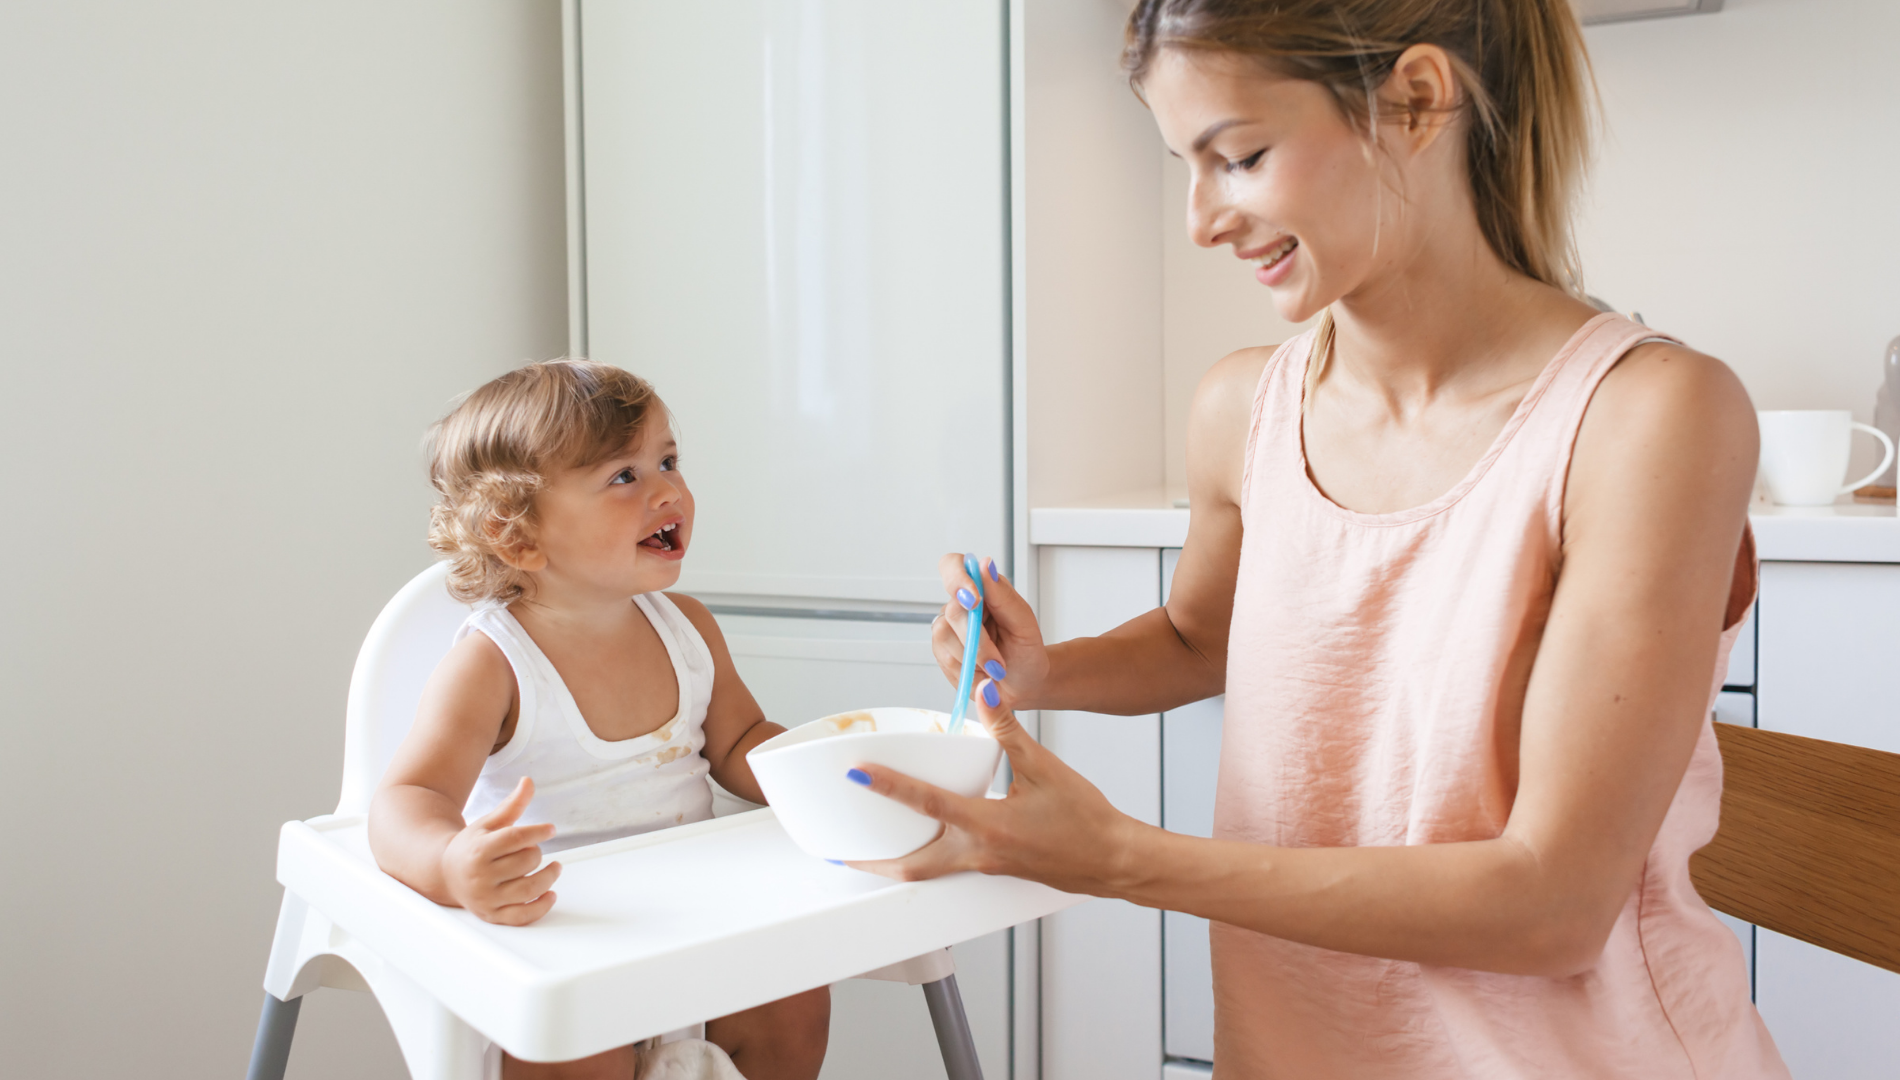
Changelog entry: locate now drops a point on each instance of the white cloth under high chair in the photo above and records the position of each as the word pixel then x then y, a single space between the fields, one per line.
pixel 589 788
pixel 688 1059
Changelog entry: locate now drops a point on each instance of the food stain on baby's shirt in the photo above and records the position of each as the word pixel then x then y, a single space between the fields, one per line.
pixel 588 788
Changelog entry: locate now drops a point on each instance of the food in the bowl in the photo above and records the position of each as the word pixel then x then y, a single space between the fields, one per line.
pixel 850 723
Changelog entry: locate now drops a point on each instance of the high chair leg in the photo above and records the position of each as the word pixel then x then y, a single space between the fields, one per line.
pixel 270 1052
pixel 953 1029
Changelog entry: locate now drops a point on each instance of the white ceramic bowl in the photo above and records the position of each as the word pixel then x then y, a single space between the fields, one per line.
pixel 802 775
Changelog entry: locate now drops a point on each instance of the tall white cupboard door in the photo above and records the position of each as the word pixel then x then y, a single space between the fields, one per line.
pixel 1101 960
pixel 1829 653
pixel 1190 764
pixel 802 669
pixel 1190 757
pixel 796 228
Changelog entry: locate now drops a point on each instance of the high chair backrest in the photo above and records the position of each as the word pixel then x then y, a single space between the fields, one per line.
pixel 404 645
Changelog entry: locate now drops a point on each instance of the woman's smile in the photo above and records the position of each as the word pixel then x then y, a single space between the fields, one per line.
pixel 1273 262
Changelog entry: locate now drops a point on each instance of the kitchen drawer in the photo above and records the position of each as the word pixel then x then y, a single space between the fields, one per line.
pixel 1735 707
pixel 1741 660
pixel 1829 652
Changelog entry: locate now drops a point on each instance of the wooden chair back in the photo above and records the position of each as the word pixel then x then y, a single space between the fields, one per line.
pixel 1810 842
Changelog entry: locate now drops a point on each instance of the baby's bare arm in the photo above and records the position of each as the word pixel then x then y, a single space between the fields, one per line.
pixel 415 821
pixel 734 722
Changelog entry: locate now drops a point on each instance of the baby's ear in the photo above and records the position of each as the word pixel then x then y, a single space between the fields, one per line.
pixel 512 548
pixel 523 557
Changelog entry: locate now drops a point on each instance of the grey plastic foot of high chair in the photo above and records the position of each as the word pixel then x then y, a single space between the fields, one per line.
pixel 270 1053
pixel 953 1029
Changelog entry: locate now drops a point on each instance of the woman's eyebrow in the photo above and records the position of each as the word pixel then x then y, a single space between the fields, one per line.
pixel 1205 137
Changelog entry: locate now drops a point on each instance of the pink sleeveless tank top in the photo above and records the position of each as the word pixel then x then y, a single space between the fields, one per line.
pixel 1376 674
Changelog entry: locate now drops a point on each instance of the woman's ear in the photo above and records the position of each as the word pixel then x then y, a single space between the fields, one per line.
pixel 1423 89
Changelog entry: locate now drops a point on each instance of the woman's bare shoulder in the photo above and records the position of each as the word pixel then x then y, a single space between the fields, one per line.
pixel 1661 385
pixel 1667 427
pixel 1229 385
pixel 1218 422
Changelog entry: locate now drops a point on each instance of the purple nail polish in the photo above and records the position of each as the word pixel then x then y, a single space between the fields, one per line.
pixel 858 776
pixel 994 576
pixel 990 696
pixel 996 670
pixel 835 862
pixel 966 598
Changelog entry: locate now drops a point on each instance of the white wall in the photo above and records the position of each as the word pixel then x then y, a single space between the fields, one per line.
pixel 1090 263
pixel 1747 196
pixel 248 252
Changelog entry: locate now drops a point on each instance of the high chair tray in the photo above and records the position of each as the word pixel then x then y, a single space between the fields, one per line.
pixel 649 933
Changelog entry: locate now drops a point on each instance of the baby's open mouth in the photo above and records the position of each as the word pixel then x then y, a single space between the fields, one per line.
pixel 662 540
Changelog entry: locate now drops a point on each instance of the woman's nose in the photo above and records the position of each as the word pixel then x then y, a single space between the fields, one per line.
pixel 1209 219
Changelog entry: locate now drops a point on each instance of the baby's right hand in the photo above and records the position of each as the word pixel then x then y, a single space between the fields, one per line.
pixel 486 866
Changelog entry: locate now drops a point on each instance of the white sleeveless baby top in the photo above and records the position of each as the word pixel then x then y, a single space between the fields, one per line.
pixel 591 789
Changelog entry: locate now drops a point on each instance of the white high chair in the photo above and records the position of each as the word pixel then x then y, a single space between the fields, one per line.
pixel 310 949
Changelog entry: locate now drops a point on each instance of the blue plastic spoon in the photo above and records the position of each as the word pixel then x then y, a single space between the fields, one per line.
pixel 972 635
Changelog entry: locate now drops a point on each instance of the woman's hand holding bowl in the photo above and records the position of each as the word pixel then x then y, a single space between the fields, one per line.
pixel 1054 826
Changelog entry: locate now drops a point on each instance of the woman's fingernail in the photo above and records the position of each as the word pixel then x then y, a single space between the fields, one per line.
pixel 966 598
pixel 990 696
pixel 858 776
pixel 835 862
pixel 994 576
pixel 995 669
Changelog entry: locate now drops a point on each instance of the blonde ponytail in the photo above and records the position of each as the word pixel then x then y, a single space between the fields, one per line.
pixel 1520 63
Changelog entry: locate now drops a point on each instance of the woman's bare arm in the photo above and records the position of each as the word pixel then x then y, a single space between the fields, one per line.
pixel 1654 513
pixel 1164 658
pixel 734 722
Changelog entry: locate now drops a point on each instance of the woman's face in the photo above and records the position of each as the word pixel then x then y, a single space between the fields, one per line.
pixel 1277 173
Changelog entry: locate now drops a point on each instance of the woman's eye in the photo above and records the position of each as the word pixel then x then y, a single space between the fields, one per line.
pixel 624 476
pixel 1247 163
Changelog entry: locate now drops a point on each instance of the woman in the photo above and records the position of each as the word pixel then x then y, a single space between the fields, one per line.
pixel 1466 561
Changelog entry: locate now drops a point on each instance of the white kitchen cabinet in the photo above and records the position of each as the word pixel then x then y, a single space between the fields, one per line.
pixel 1101 961
pixel 1833 1017
pixel 1828 668
pixel 1735 707
pixel 1190 759
pixel 1829 663
pixel 1741 661
pixel 1190 764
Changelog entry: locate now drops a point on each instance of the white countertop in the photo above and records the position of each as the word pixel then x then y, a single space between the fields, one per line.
pixel 1844 532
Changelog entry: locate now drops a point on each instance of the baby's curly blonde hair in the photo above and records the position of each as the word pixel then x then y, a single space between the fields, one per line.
pixel 496 449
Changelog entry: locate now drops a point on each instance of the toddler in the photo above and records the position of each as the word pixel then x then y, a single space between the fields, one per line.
pixel 563 515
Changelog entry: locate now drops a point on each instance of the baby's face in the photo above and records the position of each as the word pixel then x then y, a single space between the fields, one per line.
pixel 622 525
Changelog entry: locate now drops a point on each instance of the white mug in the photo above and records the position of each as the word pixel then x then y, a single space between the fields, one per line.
pixel 1804 454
